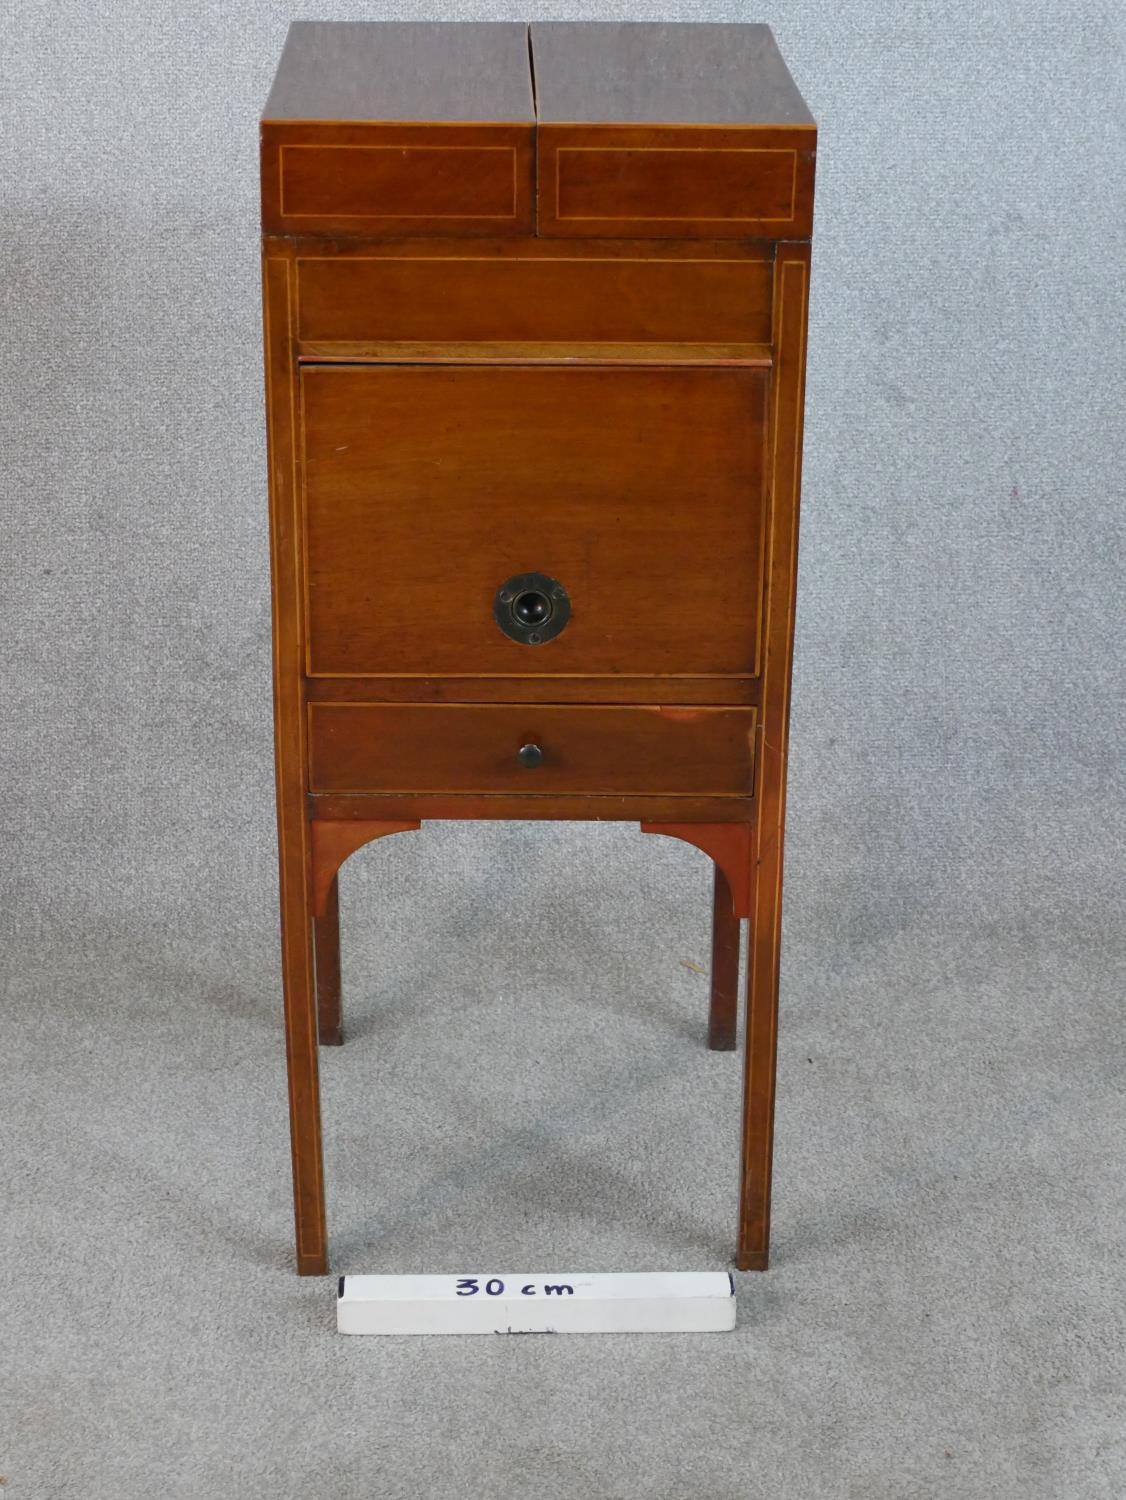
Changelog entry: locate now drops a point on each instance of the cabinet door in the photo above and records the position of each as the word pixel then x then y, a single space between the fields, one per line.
pixel 639 490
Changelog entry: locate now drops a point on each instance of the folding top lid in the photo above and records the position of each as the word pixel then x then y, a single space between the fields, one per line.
pixel 579 72
pixel 672 73
pixel 466 72
pixel 605 129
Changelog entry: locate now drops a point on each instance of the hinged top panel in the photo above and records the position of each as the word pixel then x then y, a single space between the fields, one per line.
pixel 630 130
pixel 404 70
pixel 398 128
pixel 670 131
pixel 662 73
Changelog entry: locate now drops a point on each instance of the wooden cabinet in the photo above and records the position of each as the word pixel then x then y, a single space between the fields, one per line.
pixel 535 313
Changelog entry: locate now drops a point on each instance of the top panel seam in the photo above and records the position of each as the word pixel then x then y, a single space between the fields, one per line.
pixel 532 75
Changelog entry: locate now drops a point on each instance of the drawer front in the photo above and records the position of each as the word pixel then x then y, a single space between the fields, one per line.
pixel 626 298
pixel 397 179
pixel 640 491
pixel 663 181
pixel 427 748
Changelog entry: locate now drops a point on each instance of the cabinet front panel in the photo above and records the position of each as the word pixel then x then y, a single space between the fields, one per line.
pixel 639 491
pixel 675 181
pixel 356 177
pixel 530 749
pixel 462 297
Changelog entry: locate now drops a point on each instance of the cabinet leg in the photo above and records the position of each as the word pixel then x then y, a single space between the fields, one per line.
pixel 728 845
pixel 326 948
pixel 791 282
pixel 304 1081
pixel 759 1063
pixel 723 1023
pixel 294 844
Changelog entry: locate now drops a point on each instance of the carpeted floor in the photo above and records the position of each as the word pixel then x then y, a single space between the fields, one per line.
pixel 525 1083
pixel 525 1086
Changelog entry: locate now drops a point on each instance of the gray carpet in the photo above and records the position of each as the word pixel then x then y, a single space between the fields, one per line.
pixel 525 1084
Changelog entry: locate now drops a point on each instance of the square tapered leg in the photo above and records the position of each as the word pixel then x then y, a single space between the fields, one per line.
pixel 326 946
pixel 723 1022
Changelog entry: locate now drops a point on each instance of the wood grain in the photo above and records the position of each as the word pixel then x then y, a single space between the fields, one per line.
pixel 660 72
pixel 631 807
pixel 568 353
pixel 639 490
pixel 674 181
pixel 505 248
pixel 707 691
pixel 389 180
pixel 469 72
pixel 462 299
pixel 291 757
pixel 731 184
pixel 395 179
pixel 326 953
pixel 791 315
pixel 428 748
pixel 723 1012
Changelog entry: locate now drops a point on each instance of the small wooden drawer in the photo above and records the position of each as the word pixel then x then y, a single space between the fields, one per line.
pixel 432 747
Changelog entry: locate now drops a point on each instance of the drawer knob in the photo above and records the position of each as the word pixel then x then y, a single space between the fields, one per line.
pixel 531 608
pixel 530 756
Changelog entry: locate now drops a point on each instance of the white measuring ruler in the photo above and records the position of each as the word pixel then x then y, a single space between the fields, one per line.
pixel 527 1302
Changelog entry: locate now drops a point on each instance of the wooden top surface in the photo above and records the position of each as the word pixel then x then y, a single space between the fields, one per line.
pixel 469 72
pixel 681 73
pixel 584 73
